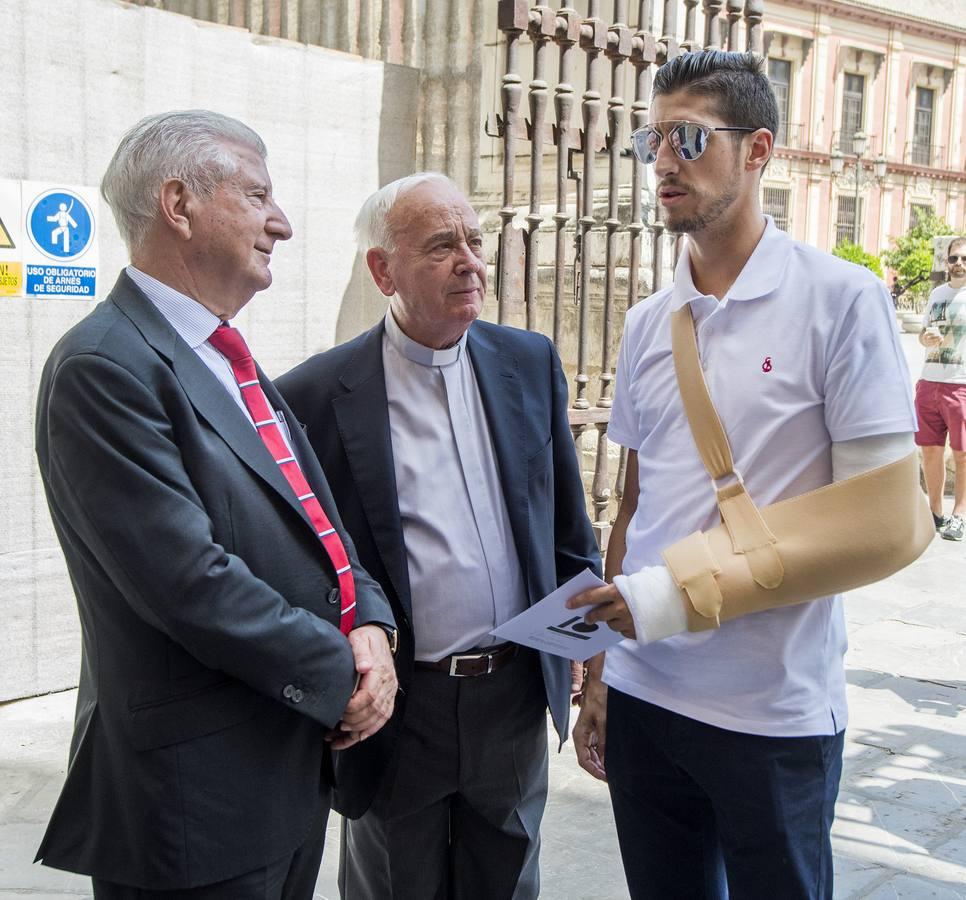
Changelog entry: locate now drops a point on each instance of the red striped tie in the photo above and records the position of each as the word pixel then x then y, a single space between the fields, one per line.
pixel 229 342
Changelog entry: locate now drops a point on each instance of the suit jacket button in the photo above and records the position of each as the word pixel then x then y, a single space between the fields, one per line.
pixel 334 596
pixel 288 691
pixel 297 695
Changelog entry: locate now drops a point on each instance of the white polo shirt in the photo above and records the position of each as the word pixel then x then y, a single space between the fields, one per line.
pixel 802 351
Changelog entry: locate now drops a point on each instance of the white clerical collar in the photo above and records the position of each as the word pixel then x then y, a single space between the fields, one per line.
pixel 417 353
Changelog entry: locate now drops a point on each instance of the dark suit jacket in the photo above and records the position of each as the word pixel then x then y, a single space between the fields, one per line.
pixel 212 658
pixel 341 397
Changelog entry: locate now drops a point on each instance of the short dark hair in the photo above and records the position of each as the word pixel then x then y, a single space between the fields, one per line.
pixel 735 81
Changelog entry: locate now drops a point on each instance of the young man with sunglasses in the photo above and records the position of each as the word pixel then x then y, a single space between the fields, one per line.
pixel 941 393
pixel 724 747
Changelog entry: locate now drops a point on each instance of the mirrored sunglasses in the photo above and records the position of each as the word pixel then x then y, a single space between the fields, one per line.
pixel 688 140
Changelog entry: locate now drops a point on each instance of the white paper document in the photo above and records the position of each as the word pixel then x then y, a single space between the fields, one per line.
pixel 551 627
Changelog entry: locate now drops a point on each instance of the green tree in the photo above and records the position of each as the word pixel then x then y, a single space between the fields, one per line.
pixel 910 257
pixel 854 253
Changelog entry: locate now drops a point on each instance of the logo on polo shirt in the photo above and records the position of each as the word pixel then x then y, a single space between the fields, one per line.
pixel 766 365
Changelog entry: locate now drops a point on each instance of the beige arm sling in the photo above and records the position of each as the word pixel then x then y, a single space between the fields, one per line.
pixel 829 540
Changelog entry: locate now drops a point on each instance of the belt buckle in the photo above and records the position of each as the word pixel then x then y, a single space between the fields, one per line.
pixel 455 660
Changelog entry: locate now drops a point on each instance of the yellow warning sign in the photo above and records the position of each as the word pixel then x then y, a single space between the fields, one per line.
pixel 6 242
pixel 11 278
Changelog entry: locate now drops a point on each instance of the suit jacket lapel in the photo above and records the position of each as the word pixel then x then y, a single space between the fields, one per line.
pixel 498 377
pixel 362 414
pixel 204 391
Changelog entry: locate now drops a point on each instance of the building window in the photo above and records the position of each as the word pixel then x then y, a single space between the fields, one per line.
pixel 853 106
pixel 780 76
pixel 774 203
pixel 922 127
pixel 918 212
pixel 848 220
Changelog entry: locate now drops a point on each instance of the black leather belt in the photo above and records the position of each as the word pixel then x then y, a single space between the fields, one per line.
pixel 479 662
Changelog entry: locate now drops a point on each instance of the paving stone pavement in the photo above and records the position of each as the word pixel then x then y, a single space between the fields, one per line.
pixel 900 831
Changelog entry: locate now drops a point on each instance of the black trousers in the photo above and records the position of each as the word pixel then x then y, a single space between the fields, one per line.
pixel 292 877
pixel 703 813
pixel 461 818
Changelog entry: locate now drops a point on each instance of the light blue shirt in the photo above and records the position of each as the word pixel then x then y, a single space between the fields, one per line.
pixel 464 572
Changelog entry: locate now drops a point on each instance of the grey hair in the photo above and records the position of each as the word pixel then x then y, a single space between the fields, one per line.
pixel 185 144
pixel 372 224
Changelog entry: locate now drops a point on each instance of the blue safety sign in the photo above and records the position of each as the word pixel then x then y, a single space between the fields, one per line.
pixel 62 281
pixel 60 225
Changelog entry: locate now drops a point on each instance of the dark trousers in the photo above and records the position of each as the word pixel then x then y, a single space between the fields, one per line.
pixel 705 814
pixel 460 818
pixel 291 878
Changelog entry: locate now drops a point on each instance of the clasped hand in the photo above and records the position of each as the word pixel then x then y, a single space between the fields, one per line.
pixel 372 702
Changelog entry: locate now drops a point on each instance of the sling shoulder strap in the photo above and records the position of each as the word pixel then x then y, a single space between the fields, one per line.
pixel 750 534
pixel 709 435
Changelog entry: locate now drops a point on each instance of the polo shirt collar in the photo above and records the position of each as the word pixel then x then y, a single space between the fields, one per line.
pixel 761 275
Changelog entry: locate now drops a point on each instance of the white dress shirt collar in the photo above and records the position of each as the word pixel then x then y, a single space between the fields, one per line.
pixel 193 322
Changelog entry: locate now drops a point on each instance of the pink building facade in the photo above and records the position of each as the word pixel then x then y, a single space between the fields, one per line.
pixel 844 70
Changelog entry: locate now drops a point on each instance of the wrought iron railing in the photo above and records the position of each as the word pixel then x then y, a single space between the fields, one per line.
pixel 927 155
pixel 794 136
pixel 845 142
pixel 609 233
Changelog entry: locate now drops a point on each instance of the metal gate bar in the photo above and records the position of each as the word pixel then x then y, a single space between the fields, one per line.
pixel 603 241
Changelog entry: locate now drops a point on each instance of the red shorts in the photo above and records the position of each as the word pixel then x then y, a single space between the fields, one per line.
pixel 941 408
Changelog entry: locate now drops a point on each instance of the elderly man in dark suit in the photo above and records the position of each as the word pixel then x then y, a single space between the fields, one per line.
pixel 228 629
pixel 446 443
